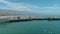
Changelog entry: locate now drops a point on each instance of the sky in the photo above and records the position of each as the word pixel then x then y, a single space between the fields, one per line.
pixel 51 7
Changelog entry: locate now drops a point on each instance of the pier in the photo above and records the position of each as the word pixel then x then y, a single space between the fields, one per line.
pixel 20 20
pixel 16 19
pixel 34 19
pixel 45 18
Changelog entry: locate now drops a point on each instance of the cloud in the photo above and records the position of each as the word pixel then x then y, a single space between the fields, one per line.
pixel 54 9
pixel 19 6
pixel 1 0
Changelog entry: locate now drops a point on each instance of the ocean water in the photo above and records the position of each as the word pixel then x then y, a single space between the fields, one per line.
pixel 31 27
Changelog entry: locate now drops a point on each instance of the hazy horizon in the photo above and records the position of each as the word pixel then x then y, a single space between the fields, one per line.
pixel 41 8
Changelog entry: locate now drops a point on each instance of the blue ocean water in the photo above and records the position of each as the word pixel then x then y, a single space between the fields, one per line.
pixel 31 27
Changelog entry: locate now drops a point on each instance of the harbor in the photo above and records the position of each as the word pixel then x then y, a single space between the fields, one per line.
pixel 19 18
